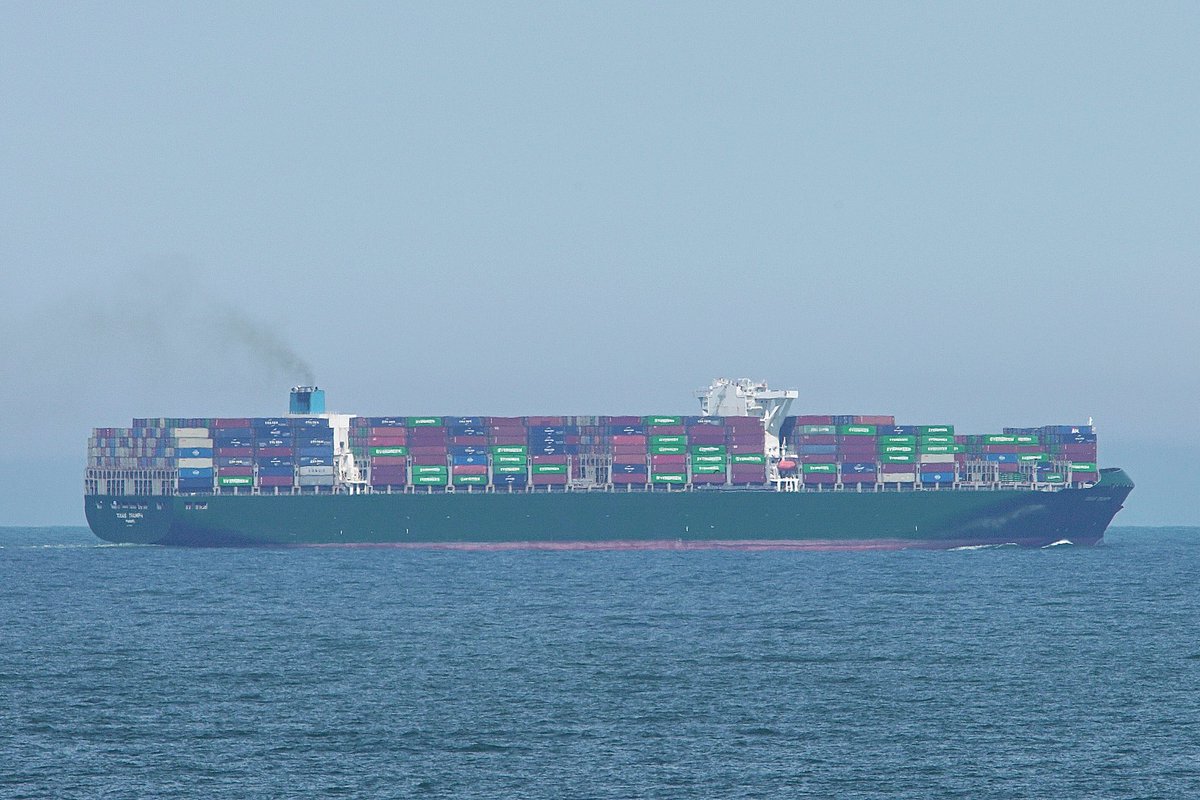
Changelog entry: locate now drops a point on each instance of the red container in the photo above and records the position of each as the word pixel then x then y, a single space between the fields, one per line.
pixel 708 478
pixel 231 422
pixel 819 477
pixel 875 419
pixel 743 423
pixel 235 472
pixel 818 438
pixel 513 422
pixel 428 450
pixel 817 458
pixel 387 441
pixel 814 419
pixel 622 478
pixel 507 430
pixel 479 440
pixel 755 440
pixel 387 432
pixel 388 461
pixel 858 477
pixel 427 436
pixel 235 451
pixel 276 451
pixel 625 438
pixel 909 468
pixel 626 420
pixel 707 437
pixel 1079 452
pixel 1085 477
pixel 429 460
pixel 555 422
pixel 548 480
pixel 629 458
pixel 549 459
pixel 507 440
pixel 276 480
pixel 674 461
pixel 628 449
pixel 469 469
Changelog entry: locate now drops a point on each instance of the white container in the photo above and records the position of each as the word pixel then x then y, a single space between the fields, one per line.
pixel 937 458
pixel 190 433
pixel 188 442
pixel 309 471
pixel 315 480
pixel 897 477
pixel 188 463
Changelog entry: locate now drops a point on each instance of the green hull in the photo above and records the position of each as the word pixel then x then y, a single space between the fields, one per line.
pixel 714 518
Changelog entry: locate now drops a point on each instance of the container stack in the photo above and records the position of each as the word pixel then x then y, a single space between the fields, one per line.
pixel 429 451
pixel 314 450
pixel 708 450
pixel 744 442
pixel 382 444
pixel 668 443
pixel 629 445
pixel 274 453
pixel 233 452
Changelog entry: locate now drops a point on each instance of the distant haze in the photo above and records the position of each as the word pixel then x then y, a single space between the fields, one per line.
pixel 953 213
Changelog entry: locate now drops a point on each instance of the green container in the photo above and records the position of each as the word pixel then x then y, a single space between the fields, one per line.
pixel 708 469
pixel 397 450
pixel 708 449
pixel 821 430
pixel 819 469
pixel 1053 477
pixel 429 480
pixel 1013 477
pixel 662 420
pixel 943 448
pixel 897 459
pixel 1083 466
pixel 428 469
pixel 509 459
pixel 898 440
pixel 897 448
pixel 549 469
pixel 1032 457
pixel 235 480
pixel 503 469
pixel 668 449
pixel 675 439
pixel 856 430
pixel 708 459
pixel 509 449
pixel 470 480
pixel 749 458
pixel 668 477
pixel 999 438
pixel 937 438
pixel 424 422
pixel 930 430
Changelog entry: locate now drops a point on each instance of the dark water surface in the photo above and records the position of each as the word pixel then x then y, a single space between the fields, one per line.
pixel 996 673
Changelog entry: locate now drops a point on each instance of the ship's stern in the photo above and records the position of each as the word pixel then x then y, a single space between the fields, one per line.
pixel 129 519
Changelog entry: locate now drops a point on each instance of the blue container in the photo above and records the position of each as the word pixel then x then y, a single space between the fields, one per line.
pixel 626 430
pixel 552 449
pixel 1068 430
pixel 194 485
pixel 859 467
pixel 315 441
pixel 896 430
pixel 269 422
pixel 509 480
pixel 468 450
pixel 843 419
pixel 273 433
pixel 471 422
pixel 275 442
pixel 1001 458
pixel 282 462
pixel 547 430
pixel 386 422
pixel 629 469
pixel 304 423
pixel 196 473
pixel 233 441
pixel 325 452
pixel 715 421
pixel 475 459
pixel 193 452
pixel 937 477
pixel 819 449
pixel 276 472
pixel 467 430
pixel 316 461
pixel 235 461
pixel 547 439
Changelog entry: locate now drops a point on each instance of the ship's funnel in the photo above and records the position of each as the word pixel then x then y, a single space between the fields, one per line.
pixel 307 400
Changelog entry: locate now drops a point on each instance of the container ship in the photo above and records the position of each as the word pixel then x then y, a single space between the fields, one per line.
pixel 744 473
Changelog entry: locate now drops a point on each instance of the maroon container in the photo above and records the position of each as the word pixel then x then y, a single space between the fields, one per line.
pixel 387 432
pixel 628 449
pixel 549 459
pixel 668 460
pixel 1078 452
pixel 817 458
pixel 507 440
pixel 231 422
pixel 814 419
pixel 429 460
pixel 743 423
pixel 629 458
pixel 235 472
pixel 817 438
pixel 666 430
pixel 1001 448
pixel 508 430
pixel 753 440
pixel 428 450
pixel 859 477
pixel 875 419
pixel 1085 477
pixel 479 440
pixel 536 422
pixel 511 422
pixel 427 436
pixel 276 451
pixel 710 478
pixel 622 478
pixel 387 441
pixel 276 480
pixel 235 451
pixel 819 477
pixel 548 480
pixel 626 438
pixel 909 468
pixel 1009 468
pixel 746 447
pixel 388 461
pixel 707 437
pixel 469 469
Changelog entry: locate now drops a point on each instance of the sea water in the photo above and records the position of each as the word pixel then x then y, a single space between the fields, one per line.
pixel 135 672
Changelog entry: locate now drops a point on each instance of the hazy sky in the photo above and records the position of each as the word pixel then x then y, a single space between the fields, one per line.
pixel 976 213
